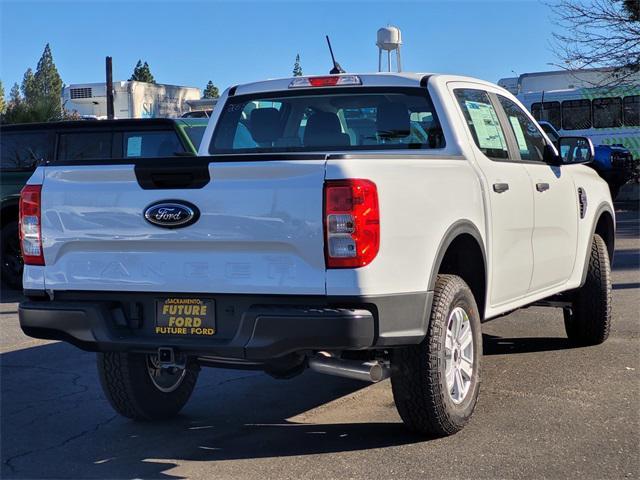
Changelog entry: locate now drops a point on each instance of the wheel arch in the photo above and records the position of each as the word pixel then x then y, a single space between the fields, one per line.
pixel 605 226
pixel 461 252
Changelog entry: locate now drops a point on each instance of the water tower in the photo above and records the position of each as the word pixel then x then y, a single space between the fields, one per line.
pixel 389 39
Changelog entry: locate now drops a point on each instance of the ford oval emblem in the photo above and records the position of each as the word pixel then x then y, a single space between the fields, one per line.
pixel 172 214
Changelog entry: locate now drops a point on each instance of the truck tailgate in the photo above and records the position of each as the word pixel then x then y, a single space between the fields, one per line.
pixel 260 230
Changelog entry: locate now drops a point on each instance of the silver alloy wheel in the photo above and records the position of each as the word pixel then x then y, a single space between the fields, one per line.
pixel 458 355
pixel 165 379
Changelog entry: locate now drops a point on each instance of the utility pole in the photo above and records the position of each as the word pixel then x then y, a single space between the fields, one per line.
pixel 109 67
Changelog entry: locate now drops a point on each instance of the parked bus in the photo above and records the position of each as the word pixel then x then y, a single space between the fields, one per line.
pixel 608 116
pixel 575 106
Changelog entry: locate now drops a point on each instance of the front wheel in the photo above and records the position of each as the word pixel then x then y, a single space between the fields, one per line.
pixel 588 320
pixel 436 383
pixel 138 388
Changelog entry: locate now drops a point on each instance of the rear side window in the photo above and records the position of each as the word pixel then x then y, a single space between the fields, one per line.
pixel 483 123
pixel 309 120
pixel 607 112
pixel 528 137
pixel 149 144
pixel 547 111
pixel 24 150
pixel 195 134
pixel 631 106
pixel 85 146
pixel 576 114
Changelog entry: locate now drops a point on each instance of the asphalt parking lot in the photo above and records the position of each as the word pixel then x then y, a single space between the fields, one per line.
pixel 546 410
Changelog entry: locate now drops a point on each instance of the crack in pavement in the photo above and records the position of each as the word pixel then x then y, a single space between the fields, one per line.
pixel 229 380
pixel 9 462
pixel 75 381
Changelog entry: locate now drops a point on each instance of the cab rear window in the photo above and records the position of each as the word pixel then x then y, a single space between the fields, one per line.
pixel 161 143
pixel 24 150
pixel 328 119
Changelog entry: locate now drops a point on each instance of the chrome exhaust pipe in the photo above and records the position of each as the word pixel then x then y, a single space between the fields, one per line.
pixel 372 371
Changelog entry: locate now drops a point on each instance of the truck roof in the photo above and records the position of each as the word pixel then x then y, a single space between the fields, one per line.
pixel 381 79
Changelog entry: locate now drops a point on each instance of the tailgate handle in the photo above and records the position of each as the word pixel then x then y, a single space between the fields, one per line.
pixel 172 173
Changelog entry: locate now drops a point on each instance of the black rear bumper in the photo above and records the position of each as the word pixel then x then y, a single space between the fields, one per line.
pixel 255 328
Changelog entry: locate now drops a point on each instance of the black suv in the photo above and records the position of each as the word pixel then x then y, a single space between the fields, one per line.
pixel 25 146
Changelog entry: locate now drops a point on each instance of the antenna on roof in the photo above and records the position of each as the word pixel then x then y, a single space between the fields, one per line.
pixel 336 66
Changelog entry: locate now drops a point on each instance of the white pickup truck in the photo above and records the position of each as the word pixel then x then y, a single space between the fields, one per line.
pixel 358 225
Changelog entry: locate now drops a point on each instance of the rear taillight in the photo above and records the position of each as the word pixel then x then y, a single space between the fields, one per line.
pixel 352 223
pixel 30 231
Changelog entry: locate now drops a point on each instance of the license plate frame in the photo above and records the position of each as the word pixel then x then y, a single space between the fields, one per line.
pixel 185 317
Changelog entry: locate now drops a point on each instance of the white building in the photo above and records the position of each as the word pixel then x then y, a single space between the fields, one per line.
pixel 131 99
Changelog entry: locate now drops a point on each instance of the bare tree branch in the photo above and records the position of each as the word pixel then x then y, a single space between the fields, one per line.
pixel 598 34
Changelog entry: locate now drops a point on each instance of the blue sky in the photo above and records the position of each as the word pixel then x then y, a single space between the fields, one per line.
pixel 190 42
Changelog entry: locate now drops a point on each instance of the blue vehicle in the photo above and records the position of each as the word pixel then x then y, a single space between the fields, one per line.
pixel 614 163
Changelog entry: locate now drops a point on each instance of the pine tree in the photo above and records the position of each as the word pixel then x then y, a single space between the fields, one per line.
pixel 40 100
pixel 14 95
pixel 297 69
pixel 28 87
pixel 136 71
pixel 210 91
pixel 142 73
pixel 2 104
pixel 15 108
pixel 47 79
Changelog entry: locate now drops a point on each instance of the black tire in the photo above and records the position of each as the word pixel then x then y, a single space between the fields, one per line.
pixel 127 385
pixel 12 265
pixel 418 371
pixel 589 320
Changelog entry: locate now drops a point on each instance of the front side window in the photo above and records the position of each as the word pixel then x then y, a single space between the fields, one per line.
pixel 150 144
pixel 328 119
pixel 483 123
pixel 631 106
pixel 24 150
pixel 85 146
pixel 607 112
pixel 547 111
pixel 576 114
pixel 528 136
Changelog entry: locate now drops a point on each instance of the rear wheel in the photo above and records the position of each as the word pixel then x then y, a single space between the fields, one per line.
pixel 12 265
pixel 138 388
pixel 589 319
pixel 436 383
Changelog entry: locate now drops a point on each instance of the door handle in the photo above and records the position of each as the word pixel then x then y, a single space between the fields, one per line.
pixel 500 187
pixel 541 187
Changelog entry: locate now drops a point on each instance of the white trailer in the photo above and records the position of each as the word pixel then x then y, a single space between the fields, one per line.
pixel 131 99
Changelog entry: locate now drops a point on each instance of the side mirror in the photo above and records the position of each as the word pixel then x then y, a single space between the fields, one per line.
pixel 575 150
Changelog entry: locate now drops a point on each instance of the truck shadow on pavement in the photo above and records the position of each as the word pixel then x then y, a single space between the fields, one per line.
pixel 494 345
pixel 56 423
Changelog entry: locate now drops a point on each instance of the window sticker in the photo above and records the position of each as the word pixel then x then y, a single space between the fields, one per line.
pixel 517 130
pixel 485 123
pixel 134 146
